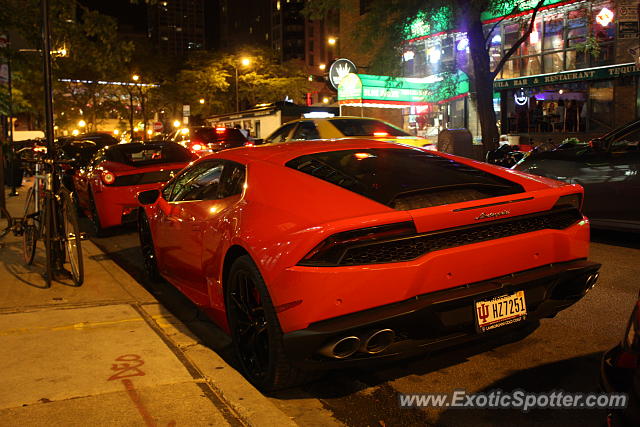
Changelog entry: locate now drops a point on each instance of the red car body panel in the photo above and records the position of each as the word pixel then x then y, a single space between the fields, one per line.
pixel 278 228
pixel 112 202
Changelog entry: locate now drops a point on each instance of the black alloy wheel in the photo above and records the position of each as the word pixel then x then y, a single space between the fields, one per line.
pixel 148 251
pixel 255 330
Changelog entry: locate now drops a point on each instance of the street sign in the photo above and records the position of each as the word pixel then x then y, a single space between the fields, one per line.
pixel 157 126
pixel 186 111
pixel 339 69
pixel 627 19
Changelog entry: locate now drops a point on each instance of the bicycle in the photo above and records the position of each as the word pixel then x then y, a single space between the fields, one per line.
pixel 49 215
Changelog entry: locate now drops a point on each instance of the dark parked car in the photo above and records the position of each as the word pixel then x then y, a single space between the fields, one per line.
pixel 609 170
pixel 203 140
pixel 79 150
pixel 620 372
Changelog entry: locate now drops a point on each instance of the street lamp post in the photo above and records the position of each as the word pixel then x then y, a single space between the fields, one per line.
pixel 245 62
pixel 136 79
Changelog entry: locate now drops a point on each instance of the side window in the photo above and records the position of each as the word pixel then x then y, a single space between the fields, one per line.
pixel 281 134
pixel 178 184
pixel 202 184
pixel 232 181
pixel 627 142
pixel 306 131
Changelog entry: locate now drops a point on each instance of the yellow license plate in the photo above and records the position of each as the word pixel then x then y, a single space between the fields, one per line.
pixel 500 311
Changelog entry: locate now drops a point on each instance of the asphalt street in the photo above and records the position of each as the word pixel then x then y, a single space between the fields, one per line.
pixel 563 353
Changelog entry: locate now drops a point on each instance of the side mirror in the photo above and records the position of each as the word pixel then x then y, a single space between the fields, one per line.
pixel 148 197
pixel 598 144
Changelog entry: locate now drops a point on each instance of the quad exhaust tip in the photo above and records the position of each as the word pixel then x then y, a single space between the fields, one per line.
pixel 342 348
pixel 378 341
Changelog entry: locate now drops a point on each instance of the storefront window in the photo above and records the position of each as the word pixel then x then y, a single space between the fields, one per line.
pixel 553 32
pixel 512 33
pixel 577 27
pixel 532 65
pixel 534 42
pixel 553 62
pixel 576 60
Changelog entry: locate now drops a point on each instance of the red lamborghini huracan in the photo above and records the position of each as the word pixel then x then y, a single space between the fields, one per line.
pixel 106 187
pixel 322 253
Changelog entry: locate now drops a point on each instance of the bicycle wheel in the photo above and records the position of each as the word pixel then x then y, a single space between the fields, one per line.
pixel 48 234
pixel 30 228
pixel 5 223
pixel 71 238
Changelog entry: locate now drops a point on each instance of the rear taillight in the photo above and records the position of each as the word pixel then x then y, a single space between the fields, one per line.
pixel 248 144
pixel 196 147
pixel 108 178
pixel 569 201
pixel 330 251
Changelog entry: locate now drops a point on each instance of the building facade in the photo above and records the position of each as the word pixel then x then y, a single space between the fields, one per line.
pixel 574 75
pixel 178 26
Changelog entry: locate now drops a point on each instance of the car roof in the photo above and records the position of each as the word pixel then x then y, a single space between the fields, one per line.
pixel 282 152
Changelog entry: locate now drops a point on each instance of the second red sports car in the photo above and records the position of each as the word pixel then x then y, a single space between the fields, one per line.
pixel 336 253
pixel 106 188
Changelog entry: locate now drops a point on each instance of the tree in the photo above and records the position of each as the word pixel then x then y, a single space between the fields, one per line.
pixel 211 77
pixel 93 52
pixel 387 24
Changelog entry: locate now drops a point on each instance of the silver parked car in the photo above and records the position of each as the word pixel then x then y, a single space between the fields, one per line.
pixel 609 170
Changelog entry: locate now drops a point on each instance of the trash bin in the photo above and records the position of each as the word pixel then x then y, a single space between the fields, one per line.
pixel 456 141
pixel 13 174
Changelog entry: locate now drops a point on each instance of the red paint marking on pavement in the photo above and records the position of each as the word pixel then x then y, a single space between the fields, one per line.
pixel 130 367
pixel 135 397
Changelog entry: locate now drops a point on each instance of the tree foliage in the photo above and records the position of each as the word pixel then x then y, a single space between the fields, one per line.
pixel 386 26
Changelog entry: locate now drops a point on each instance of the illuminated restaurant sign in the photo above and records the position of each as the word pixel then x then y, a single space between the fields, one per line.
pixel 432 89
pixel 598 73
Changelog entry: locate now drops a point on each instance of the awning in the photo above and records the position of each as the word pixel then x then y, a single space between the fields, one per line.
pixel 597 73
pixel 399 92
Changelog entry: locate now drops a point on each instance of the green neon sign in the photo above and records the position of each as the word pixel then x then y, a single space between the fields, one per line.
pixel 432 89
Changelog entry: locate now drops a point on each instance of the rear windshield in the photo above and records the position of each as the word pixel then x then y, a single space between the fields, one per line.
pixel 208 135
pixel 403 178
pixel 366 127
pixel 147 154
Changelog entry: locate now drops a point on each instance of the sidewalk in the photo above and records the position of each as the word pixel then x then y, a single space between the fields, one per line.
pixel 107 353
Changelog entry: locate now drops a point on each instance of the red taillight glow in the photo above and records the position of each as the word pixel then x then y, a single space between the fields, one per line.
pixel 221 130
pixel 108 178
pixel 381 134
pixel 248 144
pixel 330 251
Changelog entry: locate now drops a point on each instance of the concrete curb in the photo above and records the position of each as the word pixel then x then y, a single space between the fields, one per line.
pixel 244 400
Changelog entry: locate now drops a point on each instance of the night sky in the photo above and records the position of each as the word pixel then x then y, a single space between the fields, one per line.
pixel 129 15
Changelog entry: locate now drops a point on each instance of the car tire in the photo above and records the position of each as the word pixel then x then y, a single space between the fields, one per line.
pixel 150 262
pixel 98 230
pixel 256 332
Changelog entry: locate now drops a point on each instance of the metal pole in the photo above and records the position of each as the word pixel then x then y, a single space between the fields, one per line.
pixel 144 115
pixel 237 99
pixel 131 112
pixel 48 104
pixel 46 69
pixel 14 161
